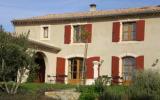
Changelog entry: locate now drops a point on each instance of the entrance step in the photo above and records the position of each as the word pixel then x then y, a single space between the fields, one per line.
pixel 69 94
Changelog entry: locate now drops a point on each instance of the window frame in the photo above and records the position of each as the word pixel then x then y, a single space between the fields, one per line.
pixel 72 33
pixel 80 30
pixel 121 30
pixel 71 66
pixel 130 76
pixel 132 30
pixel 42 32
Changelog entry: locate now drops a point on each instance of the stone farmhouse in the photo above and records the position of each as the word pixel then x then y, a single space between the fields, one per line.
pixel 120 42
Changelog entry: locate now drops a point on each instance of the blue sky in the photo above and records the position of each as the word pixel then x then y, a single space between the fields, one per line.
pixel 12 9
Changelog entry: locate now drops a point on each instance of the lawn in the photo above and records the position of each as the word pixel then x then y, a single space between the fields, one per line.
pixel 34 91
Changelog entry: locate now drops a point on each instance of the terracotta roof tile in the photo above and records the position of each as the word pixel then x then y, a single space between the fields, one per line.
pixel 94 14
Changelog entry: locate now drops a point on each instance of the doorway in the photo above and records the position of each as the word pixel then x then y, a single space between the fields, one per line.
pixel 39 60
pixel 75 70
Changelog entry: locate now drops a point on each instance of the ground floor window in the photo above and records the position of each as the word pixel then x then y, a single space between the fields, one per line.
pixel 75 68
pixel 128 68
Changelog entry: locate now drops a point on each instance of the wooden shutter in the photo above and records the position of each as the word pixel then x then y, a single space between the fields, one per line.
pixel 89 63
pixel 140 63
pixel 115 69
pixel 60 70
pixel 116 32
pixel 88 28
pixel 140 30
pixel 67 34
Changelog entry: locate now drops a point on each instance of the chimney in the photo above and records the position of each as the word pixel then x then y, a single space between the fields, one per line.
pixel 92 7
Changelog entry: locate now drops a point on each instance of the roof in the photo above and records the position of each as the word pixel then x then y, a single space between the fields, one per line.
pixel 44 46
pixel 91 14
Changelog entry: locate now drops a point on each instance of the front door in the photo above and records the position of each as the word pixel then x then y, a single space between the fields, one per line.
pixel 75 70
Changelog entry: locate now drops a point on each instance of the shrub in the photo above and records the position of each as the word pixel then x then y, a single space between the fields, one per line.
pixel 93 91
pixel 146 85
pixel 87 92
pixel 101 83
pixel 114 93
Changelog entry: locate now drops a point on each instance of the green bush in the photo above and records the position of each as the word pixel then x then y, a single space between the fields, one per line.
pixel 87 92
pixel 101 83
pixel 93 91
pixel 88 96
pixel 114 93
pixel 146 85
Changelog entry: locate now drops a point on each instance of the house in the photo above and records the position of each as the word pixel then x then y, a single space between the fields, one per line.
pixel 125 40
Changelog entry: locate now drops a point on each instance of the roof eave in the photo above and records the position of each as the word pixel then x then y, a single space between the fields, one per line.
pixel 17 22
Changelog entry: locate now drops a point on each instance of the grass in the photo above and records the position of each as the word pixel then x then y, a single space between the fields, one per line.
pixel 34 91
pixel 4 96
pixel 42 87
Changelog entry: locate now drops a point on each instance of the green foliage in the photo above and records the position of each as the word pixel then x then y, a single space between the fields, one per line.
pixel 4 96
pixel 146 86
pixel 87 92
pixel 14 54
pixel 85 34
pixel 33 73
pixel 14 57
pixel 34 91
pixel 101 83
pixel 35 88
pixel 118 92
pixel 92 92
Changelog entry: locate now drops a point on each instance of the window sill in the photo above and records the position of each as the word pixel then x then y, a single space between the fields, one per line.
pixel 77 43
pixel 129 42
pixel 44 39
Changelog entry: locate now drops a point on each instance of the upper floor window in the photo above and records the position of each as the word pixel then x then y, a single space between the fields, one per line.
pixel 78 34
pixel 129 31
pixel 45 32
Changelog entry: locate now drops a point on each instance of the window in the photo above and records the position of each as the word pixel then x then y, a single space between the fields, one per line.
pixel 129 31
pixel 45 32
pixel 75 68
pixel 78 34
pixel 128 68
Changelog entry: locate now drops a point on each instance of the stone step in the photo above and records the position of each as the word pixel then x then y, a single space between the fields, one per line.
pixel 69 94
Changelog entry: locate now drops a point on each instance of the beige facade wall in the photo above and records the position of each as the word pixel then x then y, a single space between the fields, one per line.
pixel 101 45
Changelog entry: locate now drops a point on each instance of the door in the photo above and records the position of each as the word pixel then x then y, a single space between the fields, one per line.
pixel 128 71
pixel 75 70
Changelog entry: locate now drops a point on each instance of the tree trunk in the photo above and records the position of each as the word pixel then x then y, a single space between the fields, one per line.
pixel 84 63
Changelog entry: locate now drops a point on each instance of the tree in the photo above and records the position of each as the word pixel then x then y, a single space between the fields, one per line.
pixel 85 36
pixel 15 59
pixel 1 28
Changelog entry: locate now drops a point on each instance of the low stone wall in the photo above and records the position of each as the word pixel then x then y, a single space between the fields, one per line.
pixel 63 94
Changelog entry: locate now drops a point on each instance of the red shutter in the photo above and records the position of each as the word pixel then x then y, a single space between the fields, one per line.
pixel 116 32
pixel 89 63
pixel 140 63
pixel 88 28
pixel 115 69
pixel 67 34
pixel 140 30
pixel 60 70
